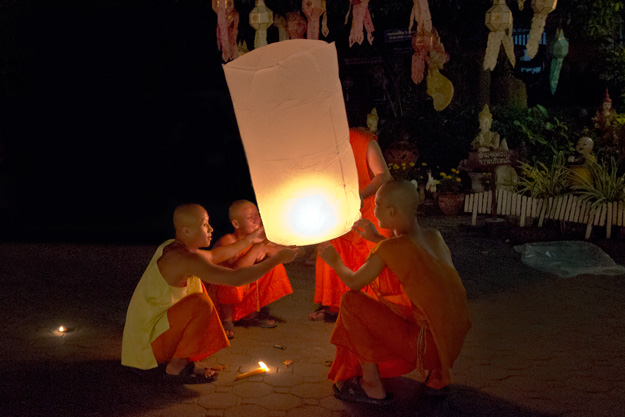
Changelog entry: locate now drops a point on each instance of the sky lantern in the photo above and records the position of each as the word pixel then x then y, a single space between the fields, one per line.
pixel 260 19
pixel 314 9
pixel 541 9
pixel 499 21
pixel 289 106
pixel 559 49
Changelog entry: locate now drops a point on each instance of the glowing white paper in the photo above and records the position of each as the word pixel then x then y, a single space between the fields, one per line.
pixel 289 106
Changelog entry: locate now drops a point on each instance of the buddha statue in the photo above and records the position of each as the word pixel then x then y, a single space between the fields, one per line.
pixel 583 151
pixel 486 140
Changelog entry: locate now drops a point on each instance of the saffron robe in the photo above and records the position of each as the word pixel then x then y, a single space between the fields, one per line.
pixel 419 320
pixel 147 318
pixel 252 297
pixel 352 248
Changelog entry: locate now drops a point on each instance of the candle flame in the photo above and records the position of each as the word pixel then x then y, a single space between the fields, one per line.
pixel 61 329
pixel 262 365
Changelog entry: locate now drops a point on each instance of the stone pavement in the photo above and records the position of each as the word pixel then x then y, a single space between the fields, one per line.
pixel 540 345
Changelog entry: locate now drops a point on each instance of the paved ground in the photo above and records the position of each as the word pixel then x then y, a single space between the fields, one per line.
pixel 540 345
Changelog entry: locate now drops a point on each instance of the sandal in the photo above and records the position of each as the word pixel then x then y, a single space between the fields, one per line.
pixel 352 391
pixel 265 323
pixel 188 376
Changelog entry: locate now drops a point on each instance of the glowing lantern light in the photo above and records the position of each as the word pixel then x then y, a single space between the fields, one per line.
pixel 289 105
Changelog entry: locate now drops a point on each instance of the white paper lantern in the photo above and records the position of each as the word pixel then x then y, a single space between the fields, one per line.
pixel 290 110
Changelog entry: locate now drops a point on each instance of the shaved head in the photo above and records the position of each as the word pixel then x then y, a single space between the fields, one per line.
pixel 187 215
pixel 237 207
pixel 402 195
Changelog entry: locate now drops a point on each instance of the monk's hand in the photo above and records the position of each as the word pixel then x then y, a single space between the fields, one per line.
pixel 366 229
pixel 328 253
pixel 287 254
pixel 257 235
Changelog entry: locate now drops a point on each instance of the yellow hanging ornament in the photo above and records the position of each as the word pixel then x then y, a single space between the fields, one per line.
pixel 260 19
pixel 541 9
pixel 499 21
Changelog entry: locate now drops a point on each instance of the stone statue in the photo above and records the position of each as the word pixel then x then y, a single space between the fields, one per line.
pixel 486 140
pixel 604 117
pixel 583 151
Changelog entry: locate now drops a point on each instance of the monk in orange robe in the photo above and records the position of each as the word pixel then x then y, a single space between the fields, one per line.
pixel 243 303
pixel 418 318
pixel 353 249
pixel 171 319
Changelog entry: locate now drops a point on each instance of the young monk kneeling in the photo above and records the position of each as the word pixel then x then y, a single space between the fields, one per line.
pixel 171 319
pixel 242 304
pixel 419 319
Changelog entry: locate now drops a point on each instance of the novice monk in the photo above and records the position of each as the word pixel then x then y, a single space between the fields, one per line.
pixel 171 319
pixel 419 319
pixel 353 249
pixel 244 302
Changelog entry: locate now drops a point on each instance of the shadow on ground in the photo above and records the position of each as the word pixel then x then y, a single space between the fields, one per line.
pixel 92 388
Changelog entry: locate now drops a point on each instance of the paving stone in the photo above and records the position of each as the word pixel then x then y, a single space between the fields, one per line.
pixel 246 411
pixel 252 389
pixel 314 390
pixel 279 401
pixel 218 401
pixel 183 410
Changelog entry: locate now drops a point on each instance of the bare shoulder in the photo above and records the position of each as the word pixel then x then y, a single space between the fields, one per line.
pixel 432 240
pixel 432 235
pixel 174 264
pixel 225 240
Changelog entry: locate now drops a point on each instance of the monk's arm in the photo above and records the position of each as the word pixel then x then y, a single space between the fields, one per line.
pixel 202 268
pixel 366 229
pixel 378 168
pixel 355 280
pixel 221 253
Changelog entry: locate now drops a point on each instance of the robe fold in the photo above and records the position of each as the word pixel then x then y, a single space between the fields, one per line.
pixel 183 319
pixel 418 321
pixel 252 297
pixel 352 248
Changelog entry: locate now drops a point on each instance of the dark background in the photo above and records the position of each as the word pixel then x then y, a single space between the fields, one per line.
pixel 113 112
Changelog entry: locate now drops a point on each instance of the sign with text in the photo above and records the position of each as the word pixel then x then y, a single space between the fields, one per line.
pixel 487 160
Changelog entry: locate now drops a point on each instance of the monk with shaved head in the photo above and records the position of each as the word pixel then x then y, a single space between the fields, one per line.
pixel 171 320
pixel 419 316
pixel 243 304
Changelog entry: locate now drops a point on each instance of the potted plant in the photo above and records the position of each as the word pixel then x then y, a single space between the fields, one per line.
pixel 606 185
pixel 450 192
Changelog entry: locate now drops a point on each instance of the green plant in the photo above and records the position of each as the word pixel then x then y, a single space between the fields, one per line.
pixel 605 186
pixel 543 135
pixel 403 170
pixel 541 181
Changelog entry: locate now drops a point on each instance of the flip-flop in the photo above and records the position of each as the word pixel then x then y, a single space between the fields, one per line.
pixel 258 322
pixel 229 329
pixel 188 376
pixel 352 391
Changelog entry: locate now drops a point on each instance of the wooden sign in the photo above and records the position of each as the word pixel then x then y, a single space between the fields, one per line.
pixel 485 161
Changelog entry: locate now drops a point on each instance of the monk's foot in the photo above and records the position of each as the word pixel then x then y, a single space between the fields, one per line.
pixel 376 391
pixel 192 373
pixel 229 329
pixel 352 390
pixel 176 366
pixel 258 320
pixel 435 379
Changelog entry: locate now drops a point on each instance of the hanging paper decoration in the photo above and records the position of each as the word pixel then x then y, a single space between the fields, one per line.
pixel 559 49
pixel 314 9
pixel 289 106
pixel 295 25
pixel 242 48
pixel 360 17
pixel 227 28
pixel 421 14
pixel 279 21
pixel 521 4
pixel 541 9
pixel 260 19
pixel 499 21
pixel 438 86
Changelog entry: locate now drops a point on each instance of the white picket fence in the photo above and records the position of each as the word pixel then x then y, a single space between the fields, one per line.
pixel 566 208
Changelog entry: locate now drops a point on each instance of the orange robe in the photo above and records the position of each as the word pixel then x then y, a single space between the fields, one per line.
pixel 165 322
pixel 251 297
pixel 418 321
pixel 352 248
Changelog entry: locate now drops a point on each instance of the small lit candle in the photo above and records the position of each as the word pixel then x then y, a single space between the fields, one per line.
pixel 61 329
pixel 263 368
